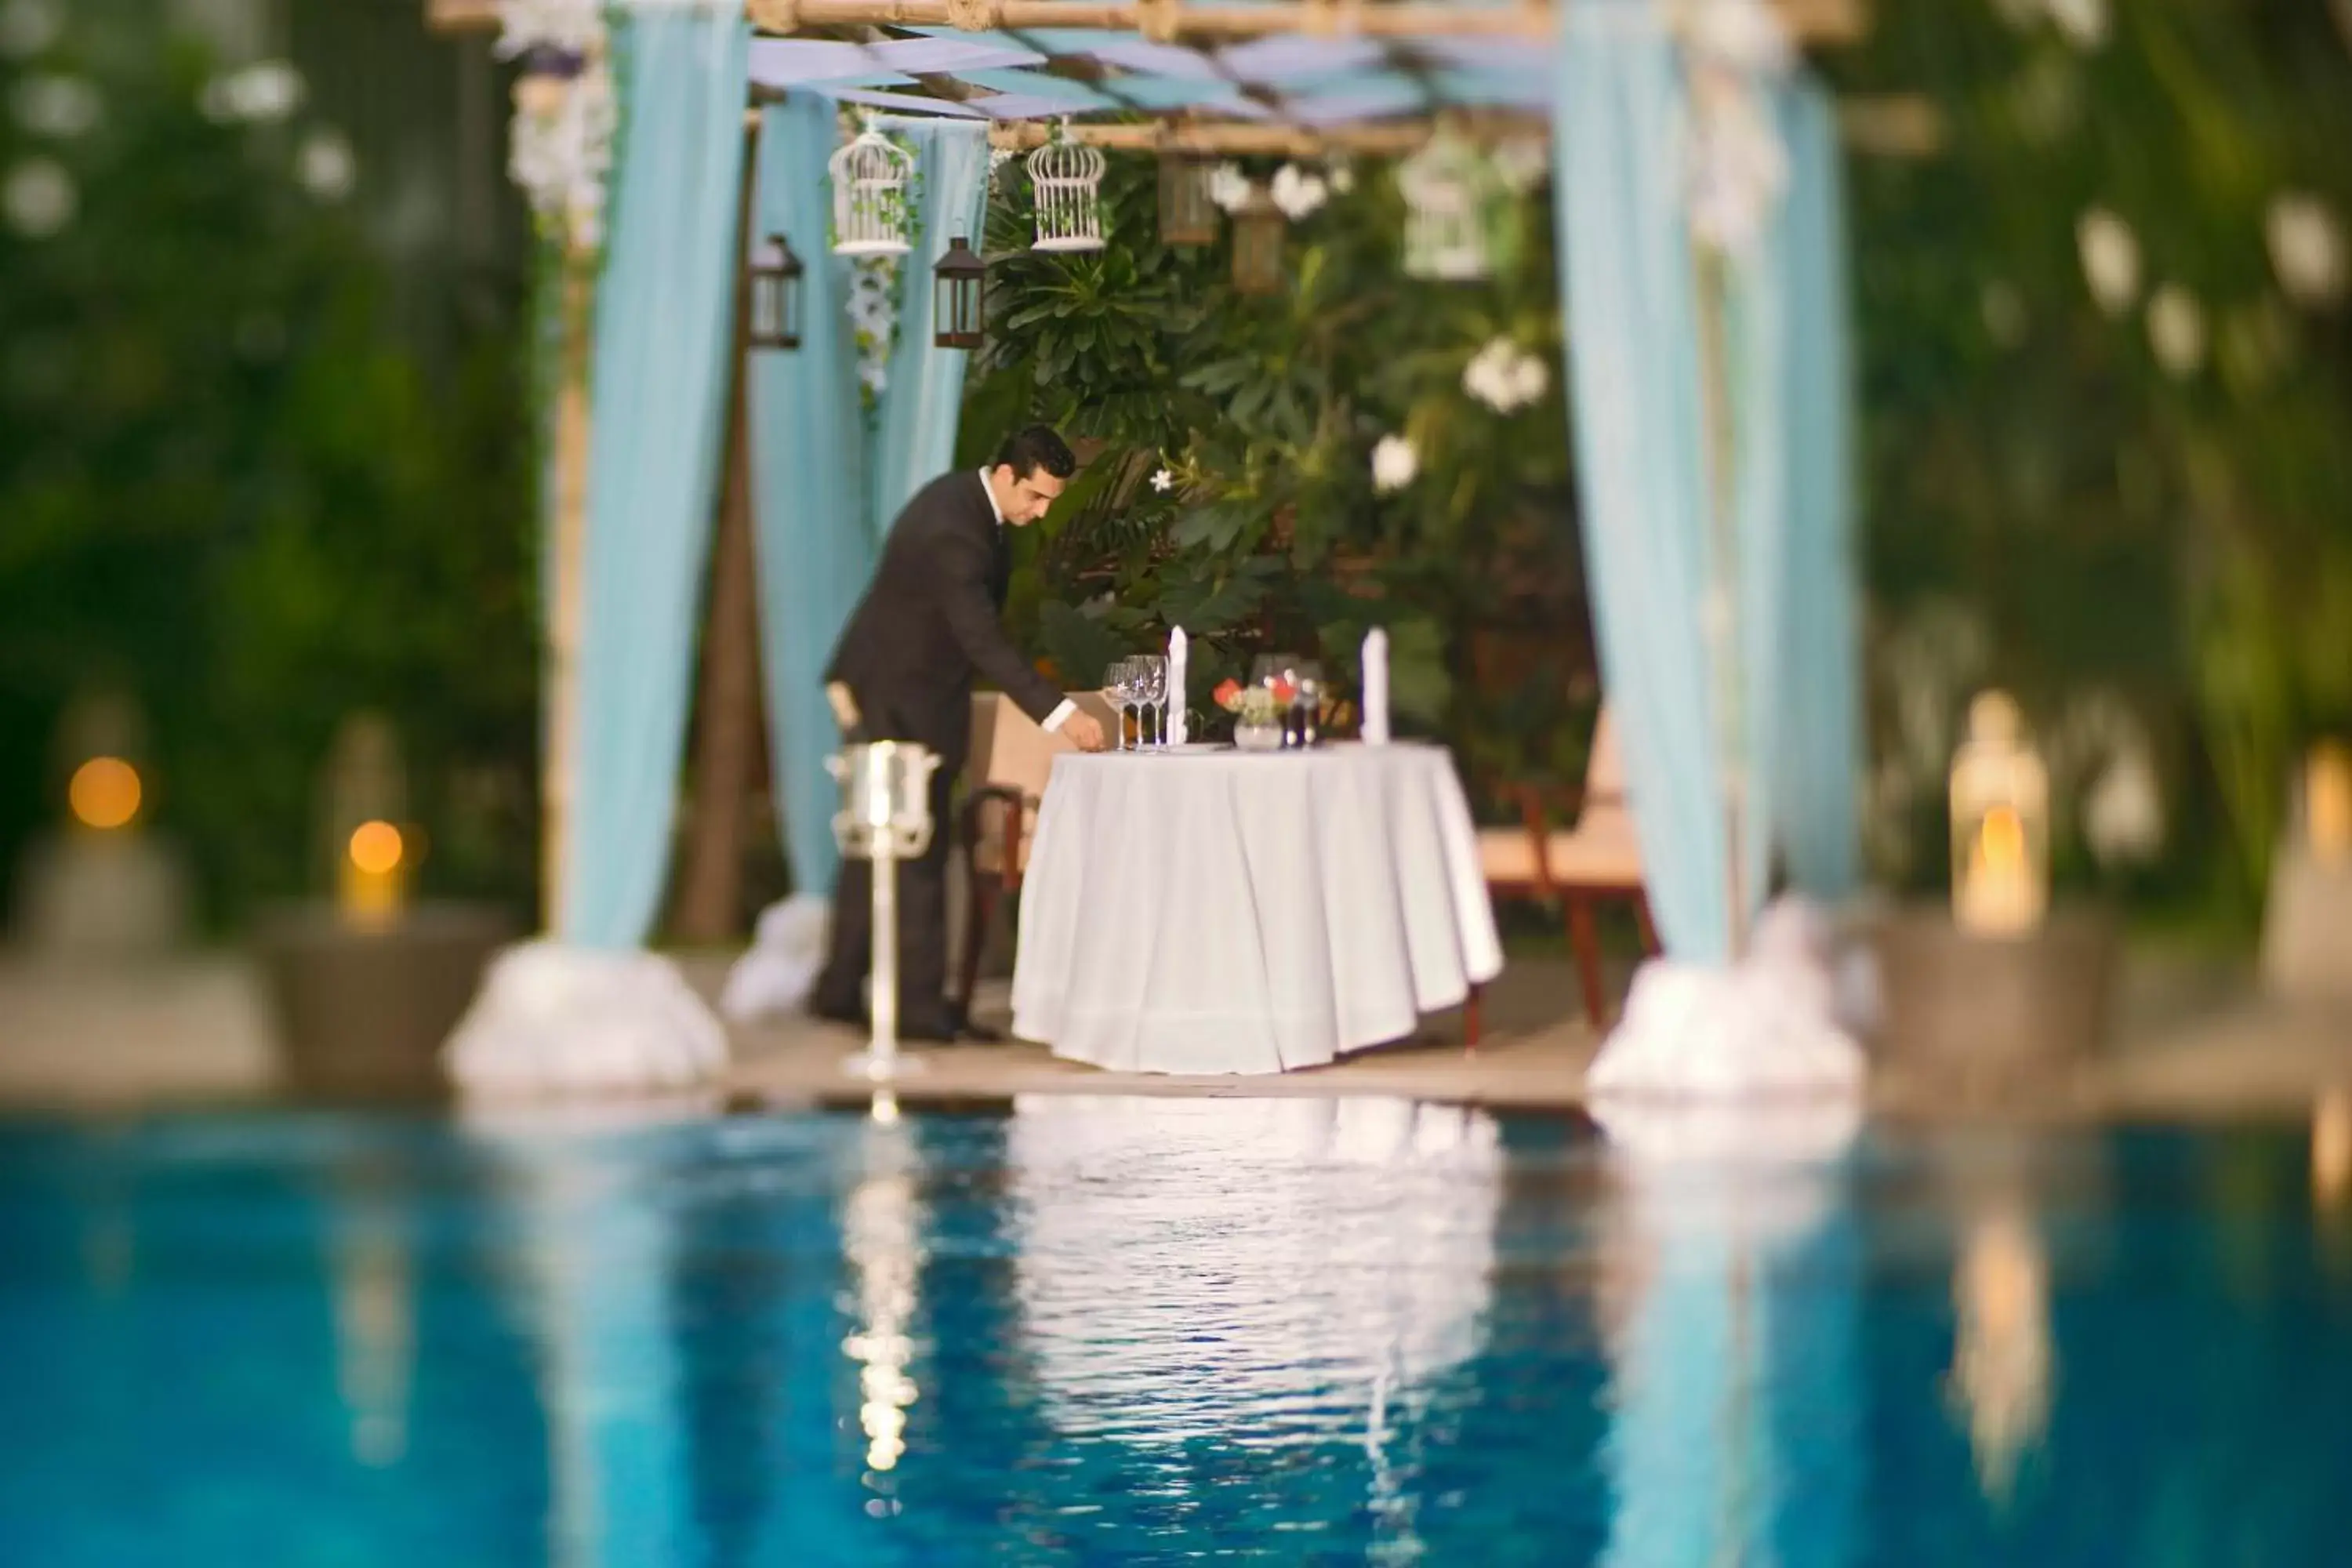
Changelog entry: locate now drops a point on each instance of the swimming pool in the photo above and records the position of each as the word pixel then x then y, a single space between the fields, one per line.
pixel 1079 1330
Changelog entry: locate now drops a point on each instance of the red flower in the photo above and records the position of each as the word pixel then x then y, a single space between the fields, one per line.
pixel 1284 692
pixel 1228 693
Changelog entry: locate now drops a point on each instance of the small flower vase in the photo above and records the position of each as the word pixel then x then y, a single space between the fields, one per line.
pixel 1258 734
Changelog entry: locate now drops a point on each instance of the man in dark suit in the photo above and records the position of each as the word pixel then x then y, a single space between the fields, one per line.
pixel 904 671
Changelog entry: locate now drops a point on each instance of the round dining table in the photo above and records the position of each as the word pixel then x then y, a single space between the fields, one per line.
pixel 1207 910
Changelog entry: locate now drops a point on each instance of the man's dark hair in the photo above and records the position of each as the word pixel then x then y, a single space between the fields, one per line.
pixel 1038 447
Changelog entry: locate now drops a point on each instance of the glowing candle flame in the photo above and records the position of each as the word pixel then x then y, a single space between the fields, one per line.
pixel 104 794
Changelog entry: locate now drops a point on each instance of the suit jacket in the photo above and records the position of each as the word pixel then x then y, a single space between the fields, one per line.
pixel 930 623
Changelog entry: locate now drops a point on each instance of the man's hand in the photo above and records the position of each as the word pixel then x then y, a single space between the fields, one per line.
pixel 1084 732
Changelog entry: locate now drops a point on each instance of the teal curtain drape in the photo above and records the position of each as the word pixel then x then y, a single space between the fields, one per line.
pixel 1818 751
pixel 664 320
pixel 1757 345
pixel 813 547
pixel 826 486
pixel 1632 307
pixel 915 432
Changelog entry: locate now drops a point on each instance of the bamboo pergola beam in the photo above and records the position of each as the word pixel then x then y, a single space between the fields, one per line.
pixel 1248 138
pixel 1897 127
pixel 1809 21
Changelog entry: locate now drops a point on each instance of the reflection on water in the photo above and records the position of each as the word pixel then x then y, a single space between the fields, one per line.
pixel 375 1314
pixel 1095 1330
pixel 1714 1214
pixel 881 1234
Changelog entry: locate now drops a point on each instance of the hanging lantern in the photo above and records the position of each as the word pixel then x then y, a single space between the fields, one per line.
pixel 1067 178
pixel 776 296
pixel 2001 825
pixel 870 213
pixel 1258 231
pixel 1188 212
pixel 958 286
pixel 1446 229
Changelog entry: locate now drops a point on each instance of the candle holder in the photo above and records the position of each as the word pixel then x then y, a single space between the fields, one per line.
pixel 2001 825
pixel 885 818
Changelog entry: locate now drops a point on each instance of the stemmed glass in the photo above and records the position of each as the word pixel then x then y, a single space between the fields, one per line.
pixel 1151 690
pixel 1119 685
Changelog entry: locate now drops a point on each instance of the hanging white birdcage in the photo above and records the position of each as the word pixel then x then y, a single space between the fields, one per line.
pixel 1446 190
pixel 1067 177
pixel 872 210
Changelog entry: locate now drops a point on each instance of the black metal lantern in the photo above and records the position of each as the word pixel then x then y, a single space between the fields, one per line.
pixel 1188 213
pixel 958 286
pixel 1258 230
pixel 776 296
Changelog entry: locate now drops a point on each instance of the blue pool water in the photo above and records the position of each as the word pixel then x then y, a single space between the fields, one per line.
pixel 1085 1330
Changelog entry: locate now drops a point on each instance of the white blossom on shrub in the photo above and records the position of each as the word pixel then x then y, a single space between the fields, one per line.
pixel 39 198
pixel 263 93
pixel 327 167
pixel 1297 193
pixel 2306 246
pixel 1395 464
pixel 1505 377
pixel 2110 253
pixel 2176 329
pixel 61 107
pixel 1229 187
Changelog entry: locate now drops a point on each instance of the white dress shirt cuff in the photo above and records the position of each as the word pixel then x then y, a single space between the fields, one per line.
pixel 1060 716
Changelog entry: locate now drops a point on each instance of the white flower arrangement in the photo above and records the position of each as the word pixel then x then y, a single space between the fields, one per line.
pixel 874 321
pixel 1297 193
pixel 1505 377
pixel 1395 464
pixel 565 114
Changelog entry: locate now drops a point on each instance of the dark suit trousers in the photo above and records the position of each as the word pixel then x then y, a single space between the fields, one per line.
pixel 922 926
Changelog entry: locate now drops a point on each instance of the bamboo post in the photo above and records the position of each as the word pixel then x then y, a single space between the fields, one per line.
pixel 567 588
pixel 1719 609
pixel 711 879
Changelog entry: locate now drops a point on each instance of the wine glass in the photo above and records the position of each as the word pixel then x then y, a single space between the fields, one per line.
pixel 1119 685
pixel 1151 690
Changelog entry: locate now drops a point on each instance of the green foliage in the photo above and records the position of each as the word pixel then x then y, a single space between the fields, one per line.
pixel 2181 540
pixel 1229 488
pixel 229 491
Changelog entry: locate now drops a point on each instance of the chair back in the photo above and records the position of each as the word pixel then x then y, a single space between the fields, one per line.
pixel 1012 751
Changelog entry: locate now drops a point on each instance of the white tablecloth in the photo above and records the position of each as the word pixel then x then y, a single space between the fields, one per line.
pixel 1222 911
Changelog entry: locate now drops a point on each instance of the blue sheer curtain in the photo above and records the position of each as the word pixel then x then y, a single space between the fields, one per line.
pixel 1632 323
pixel 1757 344
pixel 924 395
pixel 663 321
pixel 814 548
pixel 1817 753
pixel 826 489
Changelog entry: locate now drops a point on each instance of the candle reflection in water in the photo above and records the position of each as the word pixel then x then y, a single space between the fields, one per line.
pixel 2001 1353
pixel 375 1314
pixel 1273 1273
pixel 881 1233
pixel 2331 1149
